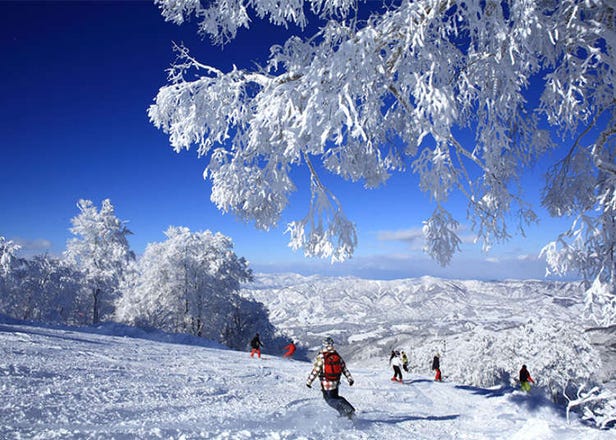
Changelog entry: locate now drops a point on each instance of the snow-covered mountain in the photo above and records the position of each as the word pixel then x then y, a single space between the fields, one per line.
pixel 66 383
pixel 483 331
pixel 371 317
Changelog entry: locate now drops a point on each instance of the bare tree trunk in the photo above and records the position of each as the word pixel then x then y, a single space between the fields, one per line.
pixel 95 316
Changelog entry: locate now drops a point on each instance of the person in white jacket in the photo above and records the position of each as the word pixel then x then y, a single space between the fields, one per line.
pixel 396 363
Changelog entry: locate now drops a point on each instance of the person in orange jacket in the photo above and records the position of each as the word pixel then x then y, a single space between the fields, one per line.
pixel 290 350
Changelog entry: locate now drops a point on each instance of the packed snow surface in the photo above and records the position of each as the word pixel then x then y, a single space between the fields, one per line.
pixel 114 382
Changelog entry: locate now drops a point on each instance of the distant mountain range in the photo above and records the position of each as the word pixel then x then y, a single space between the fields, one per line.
pixel 369 317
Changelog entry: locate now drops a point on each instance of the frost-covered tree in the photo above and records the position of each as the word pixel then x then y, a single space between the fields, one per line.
pixel 41 288
pixel 247 317
pixel 8 255
pixel 9 263
pixel 587 248
pixel 188 283
pixel 559 356
pixel 101 252
pixel 597 406
pixel 465 94
pixel 50 290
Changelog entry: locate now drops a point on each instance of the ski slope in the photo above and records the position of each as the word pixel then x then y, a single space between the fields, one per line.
pixel 115 382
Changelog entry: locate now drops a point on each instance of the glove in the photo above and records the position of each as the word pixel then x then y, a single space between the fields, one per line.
pixel 308 385
pixel 351 382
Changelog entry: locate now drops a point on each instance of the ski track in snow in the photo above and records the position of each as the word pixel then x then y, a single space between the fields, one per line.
pixel 60 383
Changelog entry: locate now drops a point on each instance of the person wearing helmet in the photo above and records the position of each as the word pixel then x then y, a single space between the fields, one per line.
pixel 329 367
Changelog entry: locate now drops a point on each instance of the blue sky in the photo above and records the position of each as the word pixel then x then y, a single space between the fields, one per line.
pixel 77 79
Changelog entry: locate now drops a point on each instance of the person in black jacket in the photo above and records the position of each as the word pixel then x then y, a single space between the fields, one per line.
pixel 436 366
pixel 255 346
pixel 525 379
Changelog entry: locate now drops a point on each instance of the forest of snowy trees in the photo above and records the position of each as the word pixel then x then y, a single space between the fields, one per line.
pixel 187 284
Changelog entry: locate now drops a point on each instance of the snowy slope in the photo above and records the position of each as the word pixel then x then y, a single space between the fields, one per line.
pixel 71 384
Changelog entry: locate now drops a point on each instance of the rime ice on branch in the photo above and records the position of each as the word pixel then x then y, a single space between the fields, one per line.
pixel 402 91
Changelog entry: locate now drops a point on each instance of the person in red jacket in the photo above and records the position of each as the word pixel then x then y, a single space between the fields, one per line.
pixel 525 379
pixel 290 350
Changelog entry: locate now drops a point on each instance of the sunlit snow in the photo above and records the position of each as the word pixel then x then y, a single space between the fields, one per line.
pixel 116 382
pixel 66 383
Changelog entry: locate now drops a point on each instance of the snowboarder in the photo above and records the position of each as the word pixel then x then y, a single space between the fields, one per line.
pixel 396 363
pixel 255 346
pixel 525 379
pixel 405 361
pixel 436 366
pixel 329 366
pixel 290 349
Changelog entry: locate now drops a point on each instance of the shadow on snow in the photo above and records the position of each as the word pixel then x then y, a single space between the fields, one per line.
pixel 488 392
pixel 534 400
pixel 383 418
pixel 531 401
pixel 418 381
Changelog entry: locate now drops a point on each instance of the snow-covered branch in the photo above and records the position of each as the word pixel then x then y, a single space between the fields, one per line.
pixel 8 250
pixel 402 90
pixel 221 19
pixel 599 406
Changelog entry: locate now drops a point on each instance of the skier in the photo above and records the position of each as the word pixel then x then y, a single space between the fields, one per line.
pixel 405 361
pixel 329 366
pixel 255 346
pixel 290 349
pixel 436 366
pixel 525 379
pixel 396 363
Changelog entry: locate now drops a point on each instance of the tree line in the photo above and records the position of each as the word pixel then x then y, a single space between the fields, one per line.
pixel 188 283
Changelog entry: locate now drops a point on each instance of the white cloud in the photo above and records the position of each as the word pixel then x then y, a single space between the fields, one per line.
pixel 528 257
pixel 397 266
pixel 33 247
pixel 414 237
pixel 468 238
pixel 406 235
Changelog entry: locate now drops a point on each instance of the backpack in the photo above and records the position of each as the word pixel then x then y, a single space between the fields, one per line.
pixel 332 366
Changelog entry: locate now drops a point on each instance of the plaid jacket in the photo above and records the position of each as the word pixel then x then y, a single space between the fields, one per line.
pixel 317 370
